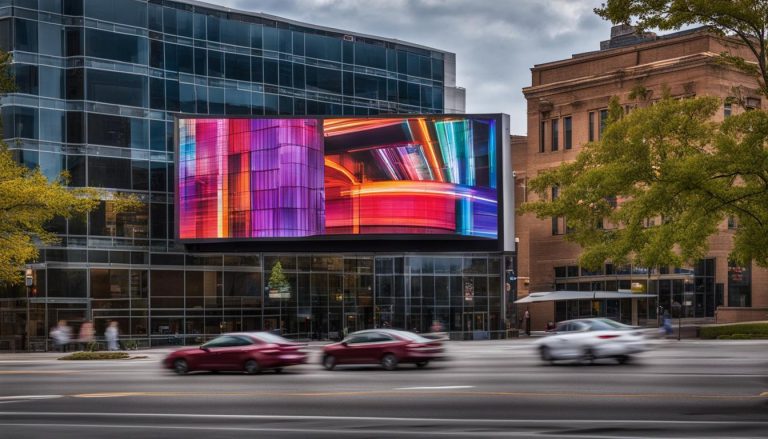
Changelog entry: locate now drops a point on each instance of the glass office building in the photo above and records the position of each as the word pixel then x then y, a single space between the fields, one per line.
pixel 98 85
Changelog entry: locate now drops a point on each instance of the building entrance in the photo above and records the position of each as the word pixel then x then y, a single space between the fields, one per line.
pixel 476 325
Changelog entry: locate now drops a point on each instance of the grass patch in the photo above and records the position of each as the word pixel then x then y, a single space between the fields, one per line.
pixel 96 356
pixel 735 331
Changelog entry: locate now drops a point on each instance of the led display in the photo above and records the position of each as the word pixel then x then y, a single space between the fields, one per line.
pixel 314 177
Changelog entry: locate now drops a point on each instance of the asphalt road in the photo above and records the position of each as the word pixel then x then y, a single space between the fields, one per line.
pixel 488 389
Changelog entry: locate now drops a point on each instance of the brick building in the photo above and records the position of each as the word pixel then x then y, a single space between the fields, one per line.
pixel 567 107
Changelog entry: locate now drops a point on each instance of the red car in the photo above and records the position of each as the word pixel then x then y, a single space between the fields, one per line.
pixel 250 352
pixel 387 347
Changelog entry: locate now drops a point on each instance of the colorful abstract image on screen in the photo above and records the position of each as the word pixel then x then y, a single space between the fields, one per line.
pixel 284 178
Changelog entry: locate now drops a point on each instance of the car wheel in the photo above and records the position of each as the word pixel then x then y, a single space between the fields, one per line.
pixel 545 354
pixel 329 362
pixel 389 362
pixel 278 369
pixel 422 364
pixel 252 367
pixel 588 356
pixel 180 366
pixel 623 359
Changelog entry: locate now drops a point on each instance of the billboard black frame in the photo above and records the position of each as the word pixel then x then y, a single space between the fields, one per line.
pixel 353 243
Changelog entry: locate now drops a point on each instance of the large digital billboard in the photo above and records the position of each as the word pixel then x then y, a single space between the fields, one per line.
pixel 330 178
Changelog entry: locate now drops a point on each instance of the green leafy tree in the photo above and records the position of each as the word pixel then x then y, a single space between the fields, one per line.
pixel 277 280
pixel 659 182
pixel 28 200
pixel 746 20
pixel 675 173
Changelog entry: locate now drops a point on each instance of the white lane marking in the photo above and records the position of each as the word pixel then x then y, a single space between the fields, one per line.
pixel 308 431
pixel 435 388
pixel 22 398
pixel 381 418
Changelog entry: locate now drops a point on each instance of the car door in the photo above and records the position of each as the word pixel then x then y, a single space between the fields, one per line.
pixel 355 349
pixel 232 356
pixel 215 351
pixel 577 340
pixel 558 344
pixel 378 344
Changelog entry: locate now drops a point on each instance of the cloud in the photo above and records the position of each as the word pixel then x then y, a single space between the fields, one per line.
pixel 496 42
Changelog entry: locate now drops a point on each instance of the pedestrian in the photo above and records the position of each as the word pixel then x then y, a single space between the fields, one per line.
pixel 111 335
pixel 437 327
pixel 667 324
pixel 86 334
pixel 61 335
pixel 527 318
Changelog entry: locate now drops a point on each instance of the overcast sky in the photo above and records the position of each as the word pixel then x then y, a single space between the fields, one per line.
pixel 496 42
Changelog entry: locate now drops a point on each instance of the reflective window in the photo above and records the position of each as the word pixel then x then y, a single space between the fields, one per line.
pixel 117 88
pixel 51 82
pixel 237 67
pixel 326 80
pixel 119 47
pixel 67 283
pixel 51 39
pixel 52 164
pixel 126 132
pixel 109 172
pixel 236 33
pixel 158 176
pixel 109 284
pixel 131 12
pixel 106 220
pixel 140 175
pixel 26 35
pixel 52 125
pixel 215 63
pixel 370 56
pixel 25 76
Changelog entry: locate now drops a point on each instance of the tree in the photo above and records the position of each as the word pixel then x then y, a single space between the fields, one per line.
pixel 746 20
pixel 277 281
pixel 659 182
pixel 661 179
pixel 28 200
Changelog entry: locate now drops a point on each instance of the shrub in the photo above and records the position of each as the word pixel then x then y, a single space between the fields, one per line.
pixel 752 329
pixel 96 356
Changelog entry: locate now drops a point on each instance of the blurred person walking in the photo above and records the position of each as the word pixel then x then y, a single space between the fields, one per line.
pixel 527 319
pixel 667 324
pixel 86 334
pixel 111 335
pixel 61 335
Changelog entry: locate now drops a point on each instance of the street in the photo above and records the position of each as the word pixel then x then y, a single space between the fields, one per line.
pixel 486 389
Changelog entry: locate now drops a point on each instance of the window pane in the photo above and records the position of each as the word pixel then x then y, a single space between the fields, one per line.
pixel 117 88
pixel 131 12
pixel 67 283
pixel 109 172
pixel 119 47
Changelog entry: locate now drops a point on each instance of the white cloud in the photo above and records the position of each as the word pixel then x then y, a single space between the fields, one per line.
pixel 496 41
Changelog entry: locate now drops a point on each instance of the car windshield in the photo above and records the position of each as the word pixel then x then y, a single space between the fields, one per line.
pixel 271 338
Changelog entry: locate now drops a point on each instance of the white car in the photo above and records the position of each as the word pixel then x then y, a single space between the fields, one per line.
pixel 586 340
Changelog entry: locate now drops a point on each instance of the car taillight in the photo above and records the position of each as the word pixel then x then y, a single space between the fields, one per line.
pixel 607 336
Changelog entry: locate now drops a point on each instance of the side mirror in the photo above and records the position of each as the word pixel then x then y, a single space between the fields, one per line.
pixel 344 343
pixel 204 348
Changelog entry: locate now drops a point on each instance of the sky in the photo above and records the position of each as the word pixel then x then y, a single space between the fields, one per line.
pixel 496 42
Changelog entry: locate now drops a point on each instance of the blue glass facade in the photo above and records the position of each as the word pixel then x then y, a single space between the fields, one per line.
pixel 98 83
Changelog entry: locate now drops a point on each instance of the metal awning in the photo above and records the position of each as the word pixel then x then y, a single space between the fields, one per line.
pixel 550 296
